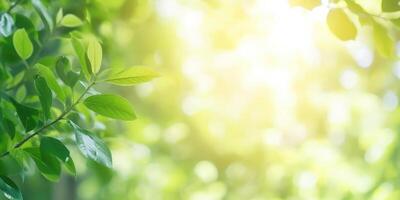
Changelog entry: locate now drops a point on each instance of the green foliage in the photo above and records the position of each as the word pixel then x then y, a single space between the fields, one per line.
pixel 22 44
pixel 340 25
pixel 110 106
pixel 41 85
pixel 131 76
pixel 390 5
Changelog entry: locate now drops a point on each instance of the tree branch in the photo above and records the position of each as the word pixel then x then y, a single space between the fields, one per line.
pixel 63 114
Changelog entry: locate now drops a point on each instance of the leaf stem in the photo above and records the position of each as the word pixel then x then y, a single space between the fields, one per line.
pixel 61 116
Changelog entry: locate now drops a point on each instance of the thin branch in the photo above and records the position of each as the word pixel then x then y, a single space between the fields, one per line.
pixel 63 114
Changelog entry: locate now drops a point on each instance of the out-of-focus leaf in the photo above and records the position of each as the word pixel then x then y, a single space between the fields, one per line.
pixel 63 69
pixel 27 115
pixel 307 4
pixel 71 21
pixel 59 15
pixel 91 146
pixel 95 55
pixel 6 24
pixel 9 127
pixel 21 93
pixel 111 106
pixel 390 5
pixel 340 25
pixel 10 189
pixel 131 76
pixel 51 80
pixel 356 8
pixel 44 15
pixel 22 44
pixel 45 95
pixel 384 44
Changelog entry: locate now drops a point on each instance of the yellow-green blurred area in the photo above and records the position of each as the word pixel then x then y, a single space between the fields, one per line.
pixel 256 100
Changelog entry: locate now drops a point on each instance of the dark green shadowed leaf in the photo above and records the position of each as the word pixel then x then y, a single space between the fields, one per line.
pixel 22 44
pixel 390 5
pixel 45 95
pixel 9 127
pixel 63 69
pixel 49 166
pixel 340 25
pixel 131 76
pixel 91 146
pixel 10 189
pixel 52 146
pixel 51 80
pixel 111 106
pixel 28 116
pixel 6 24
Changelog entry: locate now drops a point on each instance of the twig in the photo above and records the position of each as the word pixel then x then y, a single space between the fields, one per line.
pixel 63 114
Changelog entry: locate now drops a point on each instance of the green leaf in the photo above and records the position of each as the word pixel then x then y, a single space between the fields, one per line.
pixel 6 24
pixel 94 54
pixel 307 4
pixel 45 95
pixel 22 44
pixel 10 189
pixel 53 147
pixel 71 21
pixel 354 7
pixel 51 80
pixel 340 25
pixel 91 146
pixel 28 116
pixel 390 5
pixel 131 76
pixel 43 13
pixel 59 15
pixel 64 71
pixel 384 44
pixel 81 53
pixel 9 127
pixel 49 166
pixel 111 106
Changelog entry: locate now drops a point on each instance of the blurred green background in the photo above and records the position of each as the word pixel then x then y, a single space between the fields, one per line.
pixel 256 100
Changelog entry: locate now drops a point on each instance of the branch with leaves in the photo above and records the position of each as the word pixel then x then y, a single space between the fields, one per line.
pixel 38 96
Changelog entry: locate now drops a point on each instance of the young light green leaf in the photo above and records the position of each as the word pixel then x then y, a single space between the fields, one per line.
pixel 71 21
pixel 45 95
pixel 390 5
pixel 51 80
pixel 91 146
pixel 341 25
pixel 10 189
pixel 6 24
pixel 384 44
pixel 94 54
pixel 131 76
pixel 111 106
pixel 81 53
pixel 22 44
pixel 59 15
